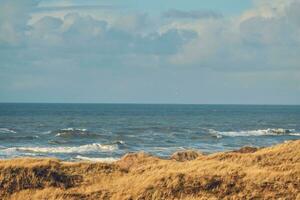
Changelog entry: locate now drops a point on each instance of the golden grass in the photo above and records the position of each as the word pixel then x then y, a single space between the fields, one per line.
pixel 268 173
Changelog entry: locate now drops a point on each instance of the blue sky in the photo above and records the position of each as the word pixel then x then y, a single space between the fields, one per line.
pixel 155 6
pixel 170 51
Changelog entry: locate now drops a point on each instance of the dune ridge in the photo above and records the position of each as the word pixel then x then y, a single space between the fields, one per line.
pixel 248 173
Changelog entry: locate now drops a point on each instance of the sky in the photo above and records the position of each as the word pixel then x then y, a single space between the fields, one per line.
pixel 159 51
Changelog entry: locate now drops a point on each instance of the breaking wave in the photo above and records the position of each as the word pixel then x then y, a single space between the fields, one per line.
pixel 259 132
pixel 7 130
pixel 73 132
pixel 75 149
pixel 103 160
pixel 119 142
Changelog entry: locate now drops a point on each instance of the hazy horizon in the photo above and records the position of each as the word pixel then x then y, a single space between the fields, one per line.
pixel 151 103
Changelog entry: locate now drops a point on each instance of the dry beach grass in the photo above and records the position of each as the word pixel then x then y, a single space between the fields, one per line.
pixel 267 173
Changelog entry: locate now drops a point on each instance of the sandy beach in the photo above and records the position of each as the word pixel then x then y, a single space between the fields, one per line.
pixel 248 173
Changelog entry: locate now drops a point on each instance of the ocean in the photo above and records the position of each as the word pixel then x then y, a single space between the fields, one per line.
pixel 105 132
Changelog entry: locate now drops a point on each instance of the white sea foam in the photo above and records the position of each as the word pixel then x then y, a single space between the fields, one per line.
pixel 295 134
pixel 12 152
pixel 119 142
pixel 6 130
pixel 74 129
pixel 63 134
pixel 103 160
pixel 259 132
pixel 68 132
pixel 46 132
pixel 75 149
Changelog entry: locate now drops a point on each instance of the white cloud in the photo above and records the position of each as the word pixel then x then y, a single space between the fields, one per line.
pixel 259 41
pixel 71 46
pixel 14 15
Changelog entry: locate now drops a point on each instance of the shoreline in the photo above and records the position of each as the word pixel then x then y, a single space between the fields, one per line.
pixel 264 173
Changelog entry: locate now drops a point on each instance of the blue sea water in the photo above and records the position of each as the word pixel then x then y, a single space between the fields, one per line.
pixel 108 131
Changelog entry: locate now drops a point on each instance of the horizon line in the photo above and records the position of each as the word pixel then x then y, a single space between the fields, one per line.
pixel 149 103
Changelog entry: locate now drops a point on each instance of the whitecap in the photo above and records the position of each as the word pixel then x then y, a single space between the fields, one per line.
pixel 46 132
pixel 66 134
pixel 7 130
pixel 119 142
pixel 103 160
pixel 74 129
pixel 259 132
pixel 73 132
pixel 95 147
pixel 12 152
pixel 295 134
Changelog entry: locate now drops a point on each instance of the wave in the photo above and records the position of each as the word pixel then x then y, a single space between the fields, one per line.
pixel 12 152
pixel 95 147
pixel 295 134
pixel 73 132
pixel 103 160
pixel 7 130
pixel 119 142
pixel 259 132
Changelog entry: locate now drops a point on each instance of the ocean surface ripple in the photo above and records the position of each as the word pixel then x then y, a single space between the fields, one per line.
pixel 105 132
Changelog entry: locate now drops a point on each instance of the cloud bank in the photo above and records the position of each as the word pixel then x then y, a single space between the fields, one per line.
pixel 35 43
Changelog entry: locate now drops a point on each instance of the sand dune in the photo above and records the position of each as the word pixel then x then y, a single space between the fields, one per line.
pixel 267 173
